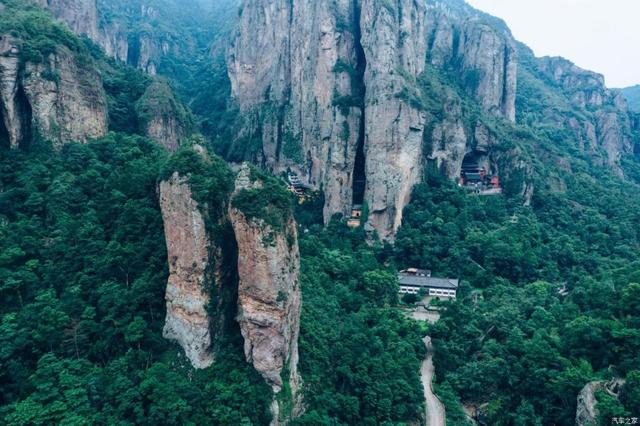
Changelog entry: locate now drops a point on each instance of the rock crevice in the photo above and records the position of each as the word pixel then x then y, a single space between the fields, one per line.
pixel 59 99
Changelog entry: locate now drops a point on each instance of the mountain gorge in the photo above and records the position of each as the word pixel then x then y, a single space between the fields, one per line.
pixel 158 267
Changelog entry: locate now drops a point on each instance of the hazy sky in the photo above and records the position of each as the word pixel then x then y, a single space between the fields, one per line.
pixel 599 35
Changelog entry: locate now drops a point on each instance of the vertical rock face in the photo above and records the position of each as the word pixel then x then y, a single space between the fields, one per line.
pixel 483 55
pixel 187 321
pixel 16 121
pixel 138 48
pixel 269 291
pixel 83 18
pixel 165 130
pixel 80 15
pixel 394 43
pixel 342 93
pixel 290 65
pixel 58 98
pixel 319 82
pixel 606 123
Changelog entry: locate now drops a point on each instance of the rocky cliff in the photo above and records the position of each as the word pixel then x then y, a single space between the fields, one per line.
pixel 604 122
pixel 357 95
pixel 83 18
pixel 163 116
pixel 128 32
pixel 59 97
pixel 187 320
pixel 322 85
pixel 266 253
pixel 586 413
pixel 80 15
pixel 269 296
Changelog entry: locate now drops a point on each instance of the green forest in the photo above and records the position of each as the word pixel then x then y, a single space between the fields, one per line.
pixel 549 298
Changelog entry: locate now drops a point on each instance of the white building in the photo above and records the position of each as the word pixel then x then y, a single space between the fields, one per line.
pixel 413 280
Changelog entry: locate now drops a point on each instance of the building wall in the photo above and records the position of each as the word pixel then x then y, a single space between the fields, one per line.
pixel 433 292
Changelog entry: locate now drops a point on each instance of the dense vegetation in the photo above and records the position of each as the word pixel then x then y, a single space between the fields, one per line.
pixel 359 356
pixel 269 200
pixel 38 35
pixel 514 340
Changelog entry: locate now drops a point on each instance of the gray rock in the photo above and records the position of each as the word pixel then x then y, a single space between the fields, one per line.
pixel 586 413
pixel 60 98
pixel 326 77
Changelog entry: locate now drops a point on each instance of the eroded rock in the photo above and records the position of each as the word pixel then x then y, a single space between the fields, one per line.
pixel 269 295
pixel 187 320
pixel 60 98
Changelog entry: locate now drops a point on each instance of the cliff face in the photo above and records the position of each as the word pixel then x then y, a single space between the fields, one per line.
pixel 60 98
pixel 187 320
pixel 165 119
pixel 586 412
pixel 119 38
pixel 83 18
pixel 483 55
pixel 268 266
pixel 128 32
pixel 606 123
pixel 336 91
pixel 320 85
pixel 269 298
pixel 80 15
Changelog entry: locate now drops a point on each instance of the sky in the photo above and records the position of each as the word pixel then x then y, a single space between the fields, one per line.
pixel 598 35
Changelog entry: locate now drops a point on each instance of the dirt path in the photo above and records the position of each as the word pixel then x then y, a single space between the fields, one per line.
pixel 435 409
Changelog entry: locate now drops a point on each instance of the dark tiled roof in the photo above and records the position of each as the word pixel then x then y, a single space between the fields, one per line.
pixel 428 282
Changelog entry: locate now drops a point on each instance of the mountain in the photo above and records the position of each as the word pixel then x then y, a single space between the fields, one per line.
pixel 341 94
pixel 175 183
pixel 632 94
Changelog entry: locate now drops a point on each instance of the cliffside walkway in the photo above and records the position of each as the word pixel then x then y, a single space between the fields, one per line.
pixel 435 414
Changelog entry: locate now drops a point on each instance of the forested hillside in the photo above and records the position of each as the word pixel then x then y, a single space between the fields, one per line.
pixel 550 268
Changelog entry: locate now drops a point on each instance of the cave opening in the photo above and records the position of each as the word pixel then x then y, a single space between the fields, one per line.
pixel 359 92
pixel 472 161
pixel 479 174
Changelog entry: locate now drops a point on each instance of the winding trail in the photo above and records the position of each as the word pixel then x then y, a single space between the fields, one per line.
pixel 435 410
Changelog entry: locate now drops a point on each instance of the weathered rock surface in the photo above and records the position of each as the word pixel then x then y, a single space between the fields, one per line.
pixel 15 116
pixel 606 123
pixel 325 78
pixel 319 82
pixel 187 320
pixel 80 15
pixel 143 47
pixel 289 63
pixel 483 55
pixel 269 297
pixel 586 412
pixel 83 18
pixel 60 99
pixel 165 119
